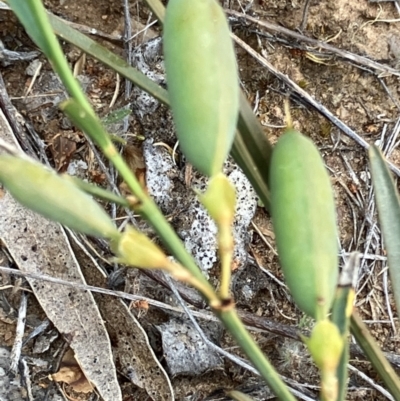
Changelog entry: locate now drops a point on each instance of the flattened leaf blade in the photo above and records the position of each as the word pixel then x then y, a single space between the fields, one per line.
pixel 387 200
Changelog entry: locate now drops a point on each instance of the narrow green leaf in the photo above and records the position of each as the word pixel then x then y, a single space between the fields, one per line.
pixel 107 57
pixel 375 355
pixel 341 311
pixel 252 150
pixel 387 200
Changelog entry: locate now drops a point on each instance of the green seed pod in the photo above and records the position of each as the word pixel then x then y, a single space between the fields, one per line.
pixel 220 200
pixel 325 345
pixel 54 197
pixel 304 219
pixel 135 249
pixel 203 83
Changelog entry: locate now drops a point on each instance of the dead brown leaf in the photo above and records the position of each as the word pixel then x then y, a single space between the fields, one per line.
pixel 71 373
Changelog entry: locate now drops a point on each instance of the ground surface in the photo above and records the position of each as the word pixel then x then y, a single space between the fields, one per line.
pixel 364 97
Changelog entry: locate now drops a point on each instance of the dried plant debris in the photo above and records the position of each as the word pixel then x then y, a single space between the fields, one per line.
pixel 133 355
pixel 38 245
pixel 8 57
pixel 10 388
pixel 184 350
pixel 82 326
pixel 44 341
pixel 13 387
pixel 76 315
pixel 71 373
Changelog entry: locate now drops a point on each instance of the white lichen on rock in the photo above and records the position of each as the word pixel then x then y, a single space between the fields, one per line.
pixel 160 171
pixel 199 232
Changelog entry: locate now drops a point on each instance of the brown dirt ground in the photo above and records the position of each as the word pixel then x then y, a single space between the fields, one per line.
pixel 356 96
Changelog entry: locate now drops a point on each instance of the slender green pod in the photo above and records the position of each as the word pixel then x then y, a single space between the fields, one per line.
pixel 304 220
pixel 326 346
pixel 54 197
pixel 202 78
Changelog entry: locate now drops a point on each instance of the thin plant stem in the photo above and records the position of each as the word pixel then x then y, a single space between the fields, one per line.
pixel 33 14
pixel 235 326
pixel 158 9
pixel 226 256
pixel 144 204
pixel 100 193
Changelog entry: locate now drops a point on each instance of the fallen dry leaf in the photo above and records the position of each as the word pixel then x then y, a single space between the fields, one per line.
pixel 71 373
pixel 40 246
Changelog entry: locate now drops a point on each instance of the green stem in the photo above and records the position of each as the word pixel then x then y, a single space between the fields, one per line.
pixel 99 192
pixel 341 320
pixel 375 355
pixel 92 126
pixel 226 247
pixel 251 149
pixel 149 210
pixel 235 326
pixel 34 17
